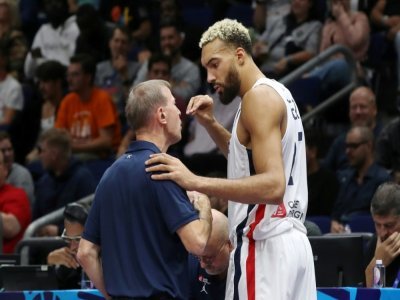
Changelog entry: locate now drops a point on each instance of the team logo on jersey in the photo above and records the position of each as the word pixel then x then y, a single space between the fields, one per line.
pixel 205 282
pixel 280 211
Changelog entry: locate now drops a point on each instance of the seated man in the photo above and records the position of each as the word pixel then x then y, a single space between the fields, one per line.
pixel 65 180
pixel 88 113
pixel 68 269
pixel 358 183
pixel 208 272
pixel 385 245
pixel 15 211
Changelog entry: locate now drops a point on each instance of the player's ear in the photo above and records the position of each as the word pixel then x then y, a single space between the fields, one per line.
pixel 240 55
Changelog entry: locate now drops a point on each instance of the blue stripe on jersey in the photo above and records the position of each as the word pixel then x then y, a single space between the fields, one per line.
pixel 250 158
pixel 238 250
pixel 291 169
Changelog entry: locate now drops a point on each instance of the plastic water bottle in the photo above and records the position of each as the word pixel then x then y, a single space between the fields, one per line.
pixel 379 274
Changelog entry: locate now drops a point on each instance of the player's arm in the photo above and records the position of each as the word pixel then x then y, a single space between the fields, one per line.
pixel 262 121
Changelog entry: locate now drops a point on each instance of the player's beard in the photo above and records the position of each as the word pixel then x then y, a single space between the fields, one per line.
pixel 231 86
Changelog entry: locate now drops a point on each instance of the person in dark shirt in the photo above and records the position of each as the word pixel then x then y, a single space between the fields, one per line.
pixel 358 183
pixel 322 183
pixel 385 245
pixel 208 272
pixel 68 270
pixel 66 180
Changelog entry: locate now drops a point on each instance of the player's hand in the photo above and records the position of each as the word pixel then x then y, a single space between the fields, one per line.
pixel 171 168
pixel 63 256
pixel 202 107
pixel 389 249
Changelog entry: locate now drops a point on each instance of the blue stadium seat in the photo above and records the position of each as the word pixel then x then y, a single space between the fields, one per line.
pixel 323 222
pixel 362 223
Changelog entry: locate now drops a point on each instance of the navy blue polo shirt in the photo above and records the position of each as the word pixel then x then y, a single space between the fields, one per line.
pixel 134 220
pixel 204 286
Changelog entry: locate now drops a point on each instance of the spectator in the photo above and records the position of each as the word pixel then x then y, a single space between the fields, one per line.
pixel 185 75
pixel 11 97
pixel 12 39
pixel 51 79
pixel 322 183
pixel 347 28
pixel 88 113
pixel 15 211
pixel 68 270
pixel 290 41
pixel 64 181
pixel 159 67
pixel 135 15
pixel 55 40
pixel 388 146
pixel 18 175
pixel 93 33
pixel 362 112
pixel 117 74
pixel 267 12
pixel 207 273
pixel 385 245
pixel 172 10
pixel 385 15
pixel 357 183
pixel 159 214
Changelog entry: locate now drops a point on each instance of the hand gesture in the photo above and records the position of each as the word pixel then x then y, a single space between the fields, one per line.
pixel 63 256
pixel 202 107
pixel 389 249
pixel 171 168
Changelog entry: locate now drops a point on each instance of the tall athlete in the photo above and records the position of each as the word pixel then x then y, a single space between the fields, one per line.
pixel 267 185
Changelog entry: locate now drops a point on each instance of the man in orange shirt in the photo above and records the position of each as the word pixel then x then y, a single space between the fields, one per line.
pixel 88 113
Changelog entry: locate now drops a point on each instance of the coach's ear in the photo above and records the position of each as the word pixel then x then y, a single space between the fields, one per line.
pixel 161 115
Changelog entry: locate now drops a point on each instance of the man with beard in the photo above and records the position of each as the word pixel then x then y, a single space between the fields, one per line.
pixel 362 112
pixel 185 75
pixel 266 185
pixel 358 182
pixel 54 40
pixel 208 271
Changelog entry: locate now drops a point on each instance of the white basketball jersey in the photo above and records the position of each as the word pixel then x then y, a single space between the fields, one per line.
pixel 265 218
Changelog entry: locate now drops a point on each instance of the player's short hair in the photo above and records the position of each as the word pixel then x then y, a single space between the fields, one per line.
pixel 229 31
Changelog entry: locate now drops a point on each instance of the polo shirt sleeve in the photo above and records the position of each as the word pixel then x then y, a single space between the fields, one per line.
pixel 175 205
pixel 91 231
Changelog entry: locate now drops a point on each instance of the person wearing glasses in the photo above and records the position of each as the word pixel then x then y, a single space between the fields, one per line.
pixel 362 112
pixel 357 183
pixel 208 272
pixel 68 270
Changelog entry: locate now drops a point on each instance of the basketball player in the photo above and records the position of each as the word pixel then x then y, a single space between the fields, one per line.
pixel 267 185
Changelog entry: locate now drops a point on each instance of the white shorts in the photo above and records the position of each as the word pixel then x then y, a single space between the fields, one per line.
pixel 278 268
